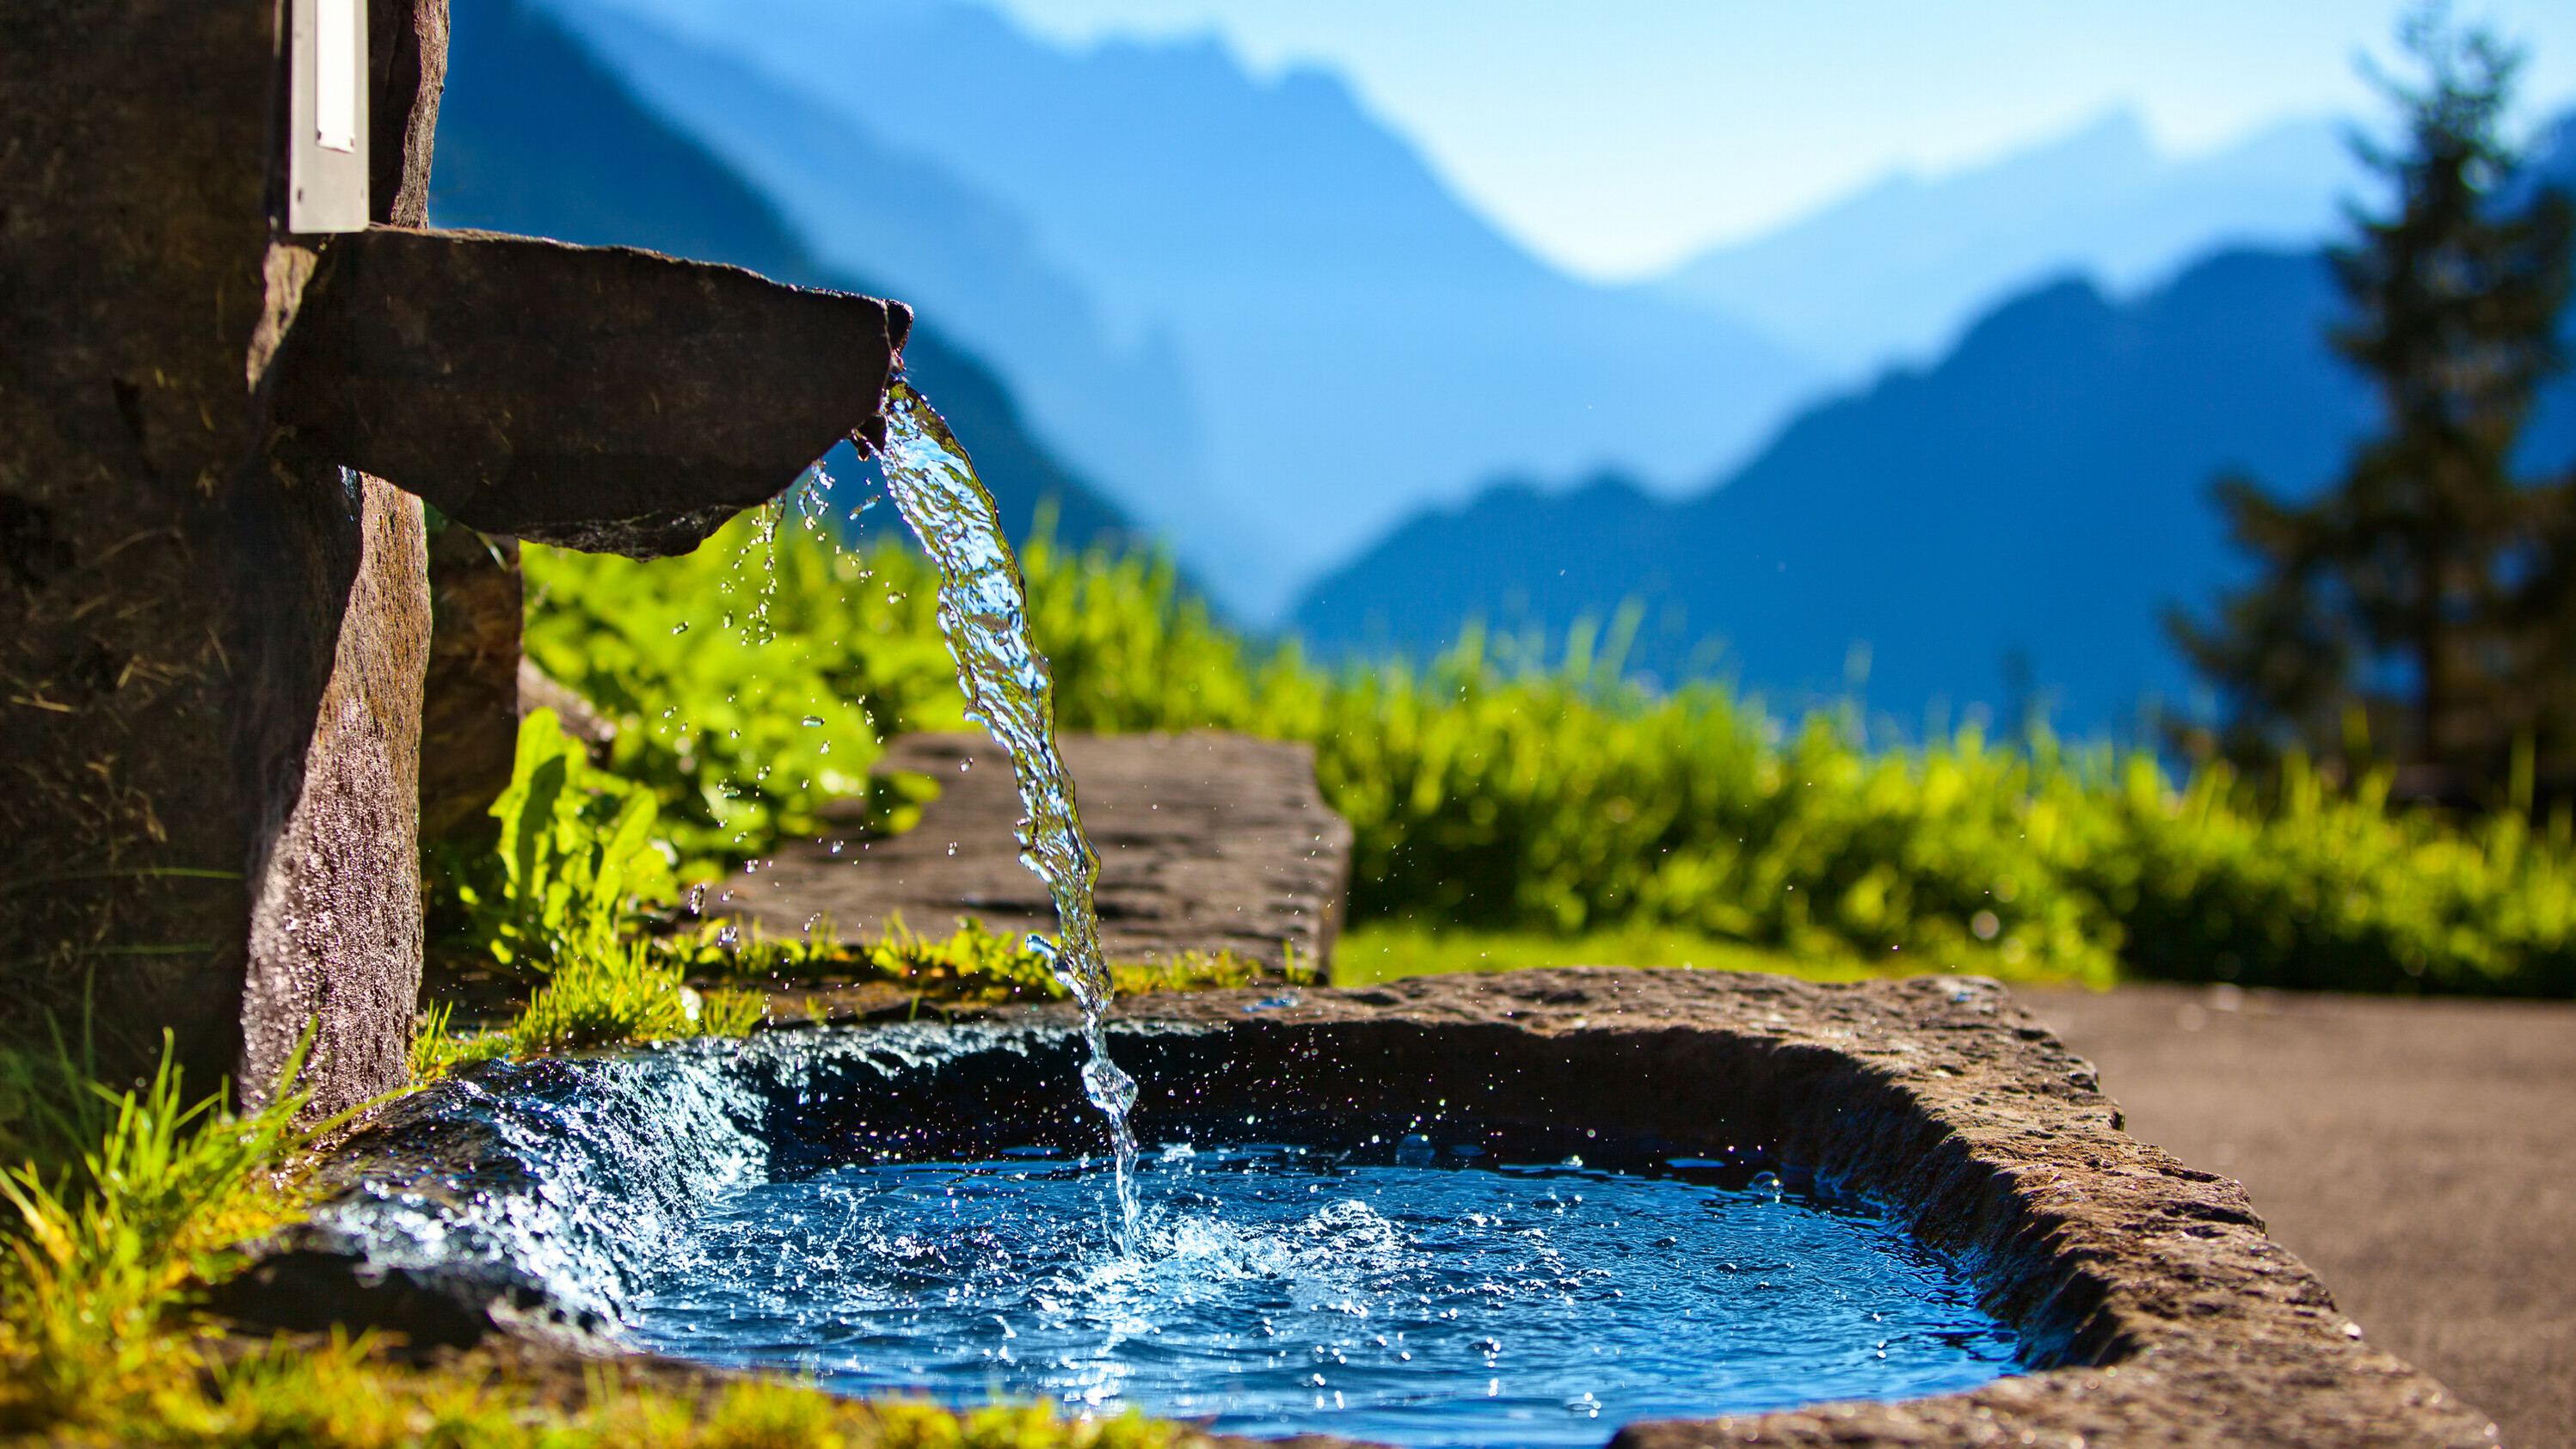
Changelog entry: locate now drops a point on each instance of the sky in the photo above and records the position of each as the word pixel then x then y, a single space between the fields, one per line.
pixel 1618 137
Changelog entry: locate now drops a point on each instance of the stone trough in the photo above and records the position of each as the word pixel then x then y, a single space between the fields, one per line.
pixel 2150 1306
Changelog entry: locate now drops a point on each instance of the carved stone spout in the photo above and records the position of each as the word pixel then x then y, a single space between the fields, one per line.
pixel 215 433
pixel 598 398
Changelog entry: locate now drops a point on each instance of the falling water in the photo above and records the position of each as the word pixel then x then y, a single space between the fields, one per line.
pixel 983 611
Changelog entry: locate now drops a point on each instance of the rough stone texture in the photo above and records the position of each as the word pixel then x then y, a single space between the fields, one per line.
pixel 596 397
pixel 210 634
pixel 469 737
pixel 330 943
pixel 1207 842
pixel 2418 1154
pixel 407 64
pixel 133 234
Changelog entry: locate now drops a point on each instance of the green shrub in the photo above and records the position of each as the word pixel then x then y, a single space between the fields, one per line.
pixel 750 685
pixel 1490 794
pixel 2305 887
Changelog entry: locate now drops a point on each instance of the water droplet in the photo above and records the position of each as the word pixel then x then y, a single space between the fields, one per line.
pixel 813 721
pixel 681 627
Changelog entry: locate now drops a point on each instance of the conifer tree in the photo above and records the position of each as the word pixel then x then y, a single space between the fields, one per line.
pixel 2424 607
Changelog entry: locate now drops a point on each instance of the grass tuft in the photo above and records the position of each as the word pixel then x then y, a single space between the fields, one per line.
pixel 107 1250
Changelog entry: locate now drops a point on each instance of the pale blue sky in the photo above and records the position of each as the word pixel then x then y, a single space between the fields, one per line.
pixel 1617 136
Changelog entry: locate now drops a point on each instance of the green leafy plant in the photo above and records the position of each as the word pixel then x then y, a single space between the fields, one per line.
pixel 577 846
pixel 752 684
pixel 627 993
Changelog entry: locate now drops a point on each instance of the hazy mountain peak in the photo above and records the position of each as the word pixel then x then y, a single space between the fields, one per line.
pixel 1892 272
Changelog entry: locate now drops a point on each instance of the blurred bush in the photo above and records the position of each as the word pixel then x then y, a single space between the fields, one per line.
pixel 1492 792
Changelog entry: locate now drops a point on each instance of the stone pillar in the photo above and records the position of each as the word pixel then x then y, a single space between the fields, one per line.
pixel 470 730
pixel 170 599
pixel 335 924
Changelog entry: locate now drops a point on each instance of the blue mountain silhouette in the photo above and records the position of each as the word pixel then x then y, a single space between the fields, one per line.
pixel 2020 512
pixel 1896 272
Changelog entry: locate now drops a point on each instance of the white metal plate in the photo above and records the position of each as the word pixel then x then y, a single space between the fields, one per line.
pixel 327 120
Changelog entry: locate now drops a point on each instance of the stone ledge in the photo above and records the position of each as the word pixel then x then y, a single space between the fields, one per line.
pixel 1208 842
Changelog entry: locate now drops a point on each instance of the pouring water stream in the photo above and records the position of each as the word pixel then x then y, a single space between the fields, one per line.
pixel 983 612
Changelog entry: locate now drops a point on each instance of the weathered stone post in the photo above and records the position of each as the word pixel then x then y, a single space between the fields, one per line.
pixel 215 434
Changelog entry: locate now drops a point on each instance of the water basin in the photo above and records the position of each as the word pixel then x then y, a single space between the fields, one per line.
pixel 1395 1292
pixel 562 1202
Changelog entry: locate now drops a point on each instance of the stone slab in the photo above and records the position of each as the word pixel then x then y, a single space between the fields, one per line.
pixel 214 606
pixel 1207 842
pixel 2419 1154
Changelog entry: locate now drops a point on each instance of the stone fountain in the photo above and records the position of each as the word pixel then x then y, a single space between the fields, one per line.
pixel 234 364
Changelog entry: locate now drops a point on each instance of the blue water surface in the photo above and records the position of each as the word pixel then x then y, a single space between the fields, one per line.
pixel 1422 1299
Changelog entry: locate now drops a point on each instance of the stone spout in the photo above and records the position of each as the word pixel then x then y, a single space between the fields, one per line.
pixel 599 398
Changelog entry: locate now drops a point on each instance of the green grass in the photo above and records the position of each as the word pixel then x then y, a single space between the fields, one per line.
pixel 1388 951
pixel 970 966
pixel 146 1197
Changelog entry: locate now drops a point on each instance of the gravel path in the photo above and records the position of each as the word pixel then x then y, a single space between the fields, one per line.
pixel 2420 1156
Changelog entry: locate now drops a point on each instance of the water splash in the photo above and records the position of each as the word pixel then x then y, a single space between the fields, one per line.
pixel 1280 1290
pixel 983 612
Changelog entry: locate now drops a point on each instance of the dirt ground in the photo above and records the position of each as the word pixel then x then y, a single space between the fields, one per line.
pixel 2420 1156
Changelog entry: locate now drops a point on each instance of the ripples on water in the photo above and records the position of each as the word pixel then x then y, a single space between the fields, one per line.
pixel 1281 1290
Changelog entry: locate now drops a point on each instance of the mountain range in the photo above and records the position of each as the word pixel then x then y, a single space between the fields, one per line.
pixel 2009 522
pixel 1325 335
pixel 1896 272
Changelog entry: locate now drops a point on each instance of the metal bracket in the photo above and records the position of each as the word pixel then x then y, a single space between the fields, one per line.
pixel 326 144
